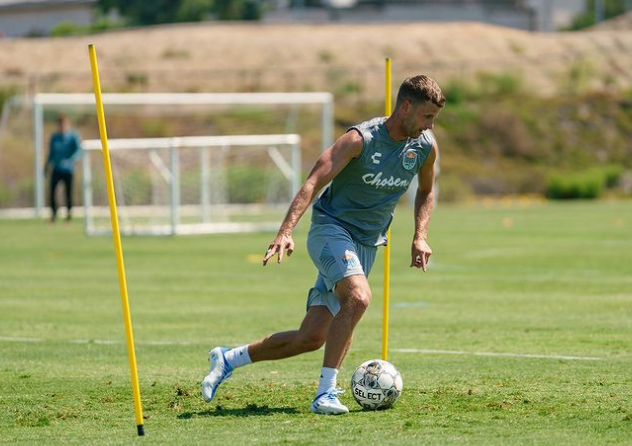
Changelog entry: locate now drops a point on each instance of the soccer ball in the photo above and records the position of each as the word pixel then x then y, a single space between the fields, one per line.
pixel 376 384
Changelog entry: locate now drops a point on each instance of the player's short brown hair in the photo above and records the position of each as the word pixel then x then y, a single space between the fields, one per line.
pixel 420 88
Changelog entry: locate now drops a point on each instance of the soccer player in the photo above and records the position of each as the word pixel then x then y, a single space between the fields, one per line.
pixel 369 169
pixel 64 149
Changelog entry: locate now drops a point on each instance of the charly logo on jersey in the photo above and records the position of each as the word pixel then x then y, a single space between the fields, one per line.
pixel 409 159
pixel 375 157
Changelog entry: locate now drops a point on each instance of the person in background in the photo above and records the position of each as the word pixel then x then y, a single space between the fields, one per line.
pixel 64 150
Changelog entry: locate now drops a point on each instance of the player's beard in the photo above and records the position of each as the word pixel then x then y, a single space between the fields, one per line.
pixel 412 129
pixel 410 123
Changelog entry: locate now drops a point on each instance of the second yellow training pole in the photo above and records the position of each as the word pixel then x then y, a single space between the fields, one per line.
pixel 387 250
pixel 116 235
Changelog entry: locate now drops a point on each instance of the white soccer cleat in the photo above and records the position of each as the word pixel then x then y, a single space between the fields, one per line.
pixel 220 372
pixel 328 403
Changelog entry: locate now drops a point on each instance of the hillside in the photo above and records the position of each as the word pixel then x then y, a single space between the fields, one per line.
pixel 212 56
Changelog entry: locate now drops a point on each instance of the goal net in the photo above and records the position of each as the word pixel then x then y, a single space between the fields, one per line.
pixel 28 122
pixel 192 185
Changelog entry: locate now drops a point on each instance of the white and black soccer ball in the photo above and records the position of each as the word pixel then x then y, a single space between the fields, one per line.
pixel 376 384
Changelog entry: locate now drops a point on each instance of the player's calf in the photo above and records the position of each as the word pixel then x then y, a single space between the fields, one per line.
pixel 310 341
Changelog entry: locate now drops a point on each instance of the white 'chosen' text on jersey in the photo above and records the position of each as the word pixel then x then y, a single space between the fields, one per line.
pixel 378 182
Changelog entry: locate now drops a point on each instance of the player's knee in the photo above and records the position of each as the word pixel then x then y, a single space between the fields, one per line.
pixel 360 299
pixel 311 341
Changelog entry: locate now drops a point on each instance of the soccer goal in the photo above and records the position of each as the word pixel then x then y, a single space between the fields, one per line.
pixel 193 185
pixel 162 115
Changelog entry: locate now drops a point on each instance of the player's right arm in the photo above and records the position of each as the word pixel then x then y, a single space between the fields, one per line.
pixel 329 164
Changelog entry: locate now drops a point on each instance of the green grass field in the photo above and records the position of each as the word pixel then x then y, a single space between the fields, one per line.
pixel 543 279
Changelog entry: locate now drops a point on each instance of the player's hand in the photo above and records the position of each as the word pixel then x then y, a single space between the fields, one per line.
pixel 420 254
pixel 282 242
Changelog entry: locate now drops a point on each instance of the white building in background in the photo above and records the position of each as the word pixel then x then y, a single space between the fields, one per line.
pixel 39 17
pixel 553 15
pixel 533 15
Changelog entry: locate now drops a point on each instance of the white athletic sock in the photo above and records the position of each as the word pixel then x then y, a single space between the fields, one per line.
pixel 327 379
pixel 238 356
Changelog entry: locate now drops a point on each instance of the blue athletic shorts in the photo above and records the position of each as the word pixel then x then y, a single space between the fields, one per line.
pixel 336 255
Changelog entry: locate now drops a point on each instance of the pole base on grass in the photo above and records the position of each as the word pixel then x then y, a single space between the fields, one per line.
pixel 141 430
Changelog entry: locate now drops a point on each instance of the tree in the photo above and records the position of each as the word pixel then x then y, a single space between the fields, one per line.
pixel 238 9
pixel 585 19
pixel 142 12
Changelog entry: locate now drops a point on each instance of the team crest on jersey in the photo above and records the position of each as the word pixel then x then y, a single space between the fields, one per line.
pixel 409 159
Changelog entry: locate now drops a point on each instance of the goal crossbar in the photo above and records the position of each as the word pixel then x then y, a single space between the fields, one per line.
pixel 322 98
pixel 193 142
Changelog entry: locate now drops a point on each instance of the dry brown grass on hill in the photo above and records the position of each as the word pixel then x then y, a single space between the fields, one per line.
pixel 212 56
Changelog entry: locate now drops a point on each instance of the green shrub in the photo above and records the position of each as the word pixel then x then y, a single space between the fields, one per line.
pixel 238 9
pixel 487 85
pixel 578 76
pixel 500 84
pixel 581 185
pixel 67 28
pixel 456 92
pixel 104 24
pixel 586 17
pixel 612 175
pixel 194 10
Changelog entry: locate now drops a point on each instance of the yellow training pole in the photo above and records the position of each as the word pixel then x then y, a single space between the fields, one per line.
pixel 118 248
pixel 387 250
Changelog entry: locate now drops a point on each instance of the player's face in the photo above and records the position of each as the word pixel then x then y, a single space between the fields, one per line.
pixel 420 117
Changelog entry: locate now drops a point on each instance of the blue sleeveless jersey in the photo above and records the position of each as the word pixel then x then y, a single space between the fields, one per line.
pixel 363 196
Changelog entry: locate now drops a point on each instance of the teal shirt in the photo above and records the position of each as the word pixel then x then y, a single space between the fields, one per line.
pixel 363 196
pixel 64 149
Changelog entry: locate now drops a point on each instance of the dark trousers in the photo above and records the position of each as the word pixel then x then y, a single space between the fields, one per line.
pixel 66 178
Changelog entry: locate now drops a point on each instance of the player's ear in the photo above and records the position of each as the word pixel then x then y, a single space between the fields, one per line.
pixel 408 106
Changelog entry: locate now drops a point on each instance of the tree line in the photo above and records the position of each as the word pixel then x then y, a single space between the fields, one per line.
pixel 142 12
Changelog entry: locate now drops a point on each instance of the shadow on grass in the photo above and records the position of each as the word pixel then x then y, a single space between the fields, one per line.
pixel 251 410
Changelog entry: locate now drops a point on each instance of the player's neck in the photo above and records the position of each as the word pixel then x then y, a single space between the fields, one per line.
pixel 394 129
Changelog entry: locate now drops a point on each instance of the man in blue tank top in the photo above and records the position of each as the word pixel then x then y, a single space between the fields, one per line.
pixel 367 170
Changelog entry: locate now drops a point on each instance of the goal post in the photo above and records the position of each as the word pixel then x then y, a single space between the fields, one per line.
pixel 195 184
pixel 43 104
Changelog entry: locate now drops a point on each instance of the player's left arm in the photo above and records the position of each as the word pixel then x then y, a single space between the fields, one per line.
pixel 424 202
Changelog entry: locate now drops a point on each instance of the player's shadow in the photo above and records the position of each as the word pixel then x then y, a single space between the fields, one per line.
pixel 251 410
